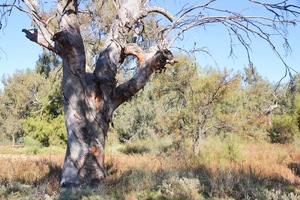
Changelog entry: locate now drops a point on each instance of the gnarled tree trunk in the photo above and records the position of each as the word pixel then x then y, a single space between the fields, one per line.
pixel 90 98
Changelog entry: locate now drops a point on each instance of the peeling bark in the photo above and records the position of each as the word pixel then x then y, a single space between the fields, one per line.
pixel 84 161
pixel 90 98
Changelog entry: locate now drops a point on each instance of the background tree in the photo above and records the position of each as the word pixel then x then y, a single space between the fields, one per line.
pixel 32 107
pixel 195 94
pixel 258 97
pixel 19 94
pixel 90 97
pixel 285 119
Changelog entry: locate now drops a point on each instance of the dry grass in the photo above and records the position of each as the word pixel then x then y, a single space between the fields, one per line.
pixel 38 171
pixel 273 162
pixel 264 168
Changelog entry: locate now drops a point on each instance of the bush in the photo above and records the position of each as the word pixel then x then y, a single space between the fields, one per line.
pixel 134 148
pixel 181 188
pixel 222 148
pixel 33 144
pixel 155 145
pixel 284 129
pixel 45 130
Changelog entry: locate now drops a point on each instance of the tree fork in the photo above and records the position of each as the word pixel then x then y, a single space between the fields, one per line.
pixel 90 99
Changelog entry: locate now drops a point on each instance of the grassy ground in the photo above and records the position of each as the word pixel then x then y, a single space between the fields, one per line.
pixel 230 170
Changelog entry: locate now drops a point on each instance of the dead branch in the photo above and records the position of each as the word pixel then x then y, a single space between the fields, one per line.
pixel 239 27
pixel 160 10
pixel 42 25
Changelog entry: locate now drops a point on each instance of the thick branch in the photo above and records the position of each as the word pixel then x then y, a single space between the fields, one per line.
pixel 36 36
pixel 69 37
pixel 160 10
pixel 129 13
pixel 44 34
pixel 156 62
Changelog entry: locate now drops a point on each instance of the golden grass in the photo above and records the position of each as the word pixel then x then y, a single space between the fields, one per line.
pixel 31 170
pixel 274 165
pixel 273 162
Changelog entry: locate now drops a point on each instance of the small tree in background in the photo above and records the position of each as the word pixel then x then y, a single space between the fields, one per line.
pixel 16 101
pixel 192 95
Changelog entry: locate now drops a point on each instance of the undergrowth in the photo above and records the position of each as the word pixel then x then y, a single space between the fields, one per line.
pixel 226 168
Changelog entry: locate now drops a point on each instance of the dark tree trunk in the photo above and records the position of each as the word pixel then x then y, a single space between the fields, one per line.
pixel 90 98
pixel 86 127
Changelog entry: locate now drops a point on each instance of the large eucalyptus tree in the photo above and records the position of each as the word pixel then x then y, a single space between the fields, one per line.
pixel 91 97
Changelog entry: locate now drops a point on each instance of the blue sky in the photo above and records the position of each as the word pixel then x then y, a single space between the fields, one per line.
pixel 17 52
pixel 215 37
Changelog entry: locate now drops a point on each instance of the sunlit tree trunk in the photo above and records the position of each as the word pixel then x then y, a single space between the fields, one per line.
pixel 91 98
pixel 86 128
pixel 84 160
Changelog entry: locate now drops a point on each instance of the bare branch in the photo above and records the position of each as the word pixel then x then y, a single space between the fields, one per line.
pixel 239 27
pixel 11 7
pixel 184 13
pixel 6 11
pixel 280 7
pixel 44 35
pixel 160 10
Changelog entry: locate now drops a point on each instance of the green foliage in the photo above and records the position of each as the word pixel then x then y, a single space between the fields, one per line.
pixel 46 131
pixel 251 76
pixel 284 128
pixel 224 149
pixel 33 144
pixel 20 97
pixel 256 98
pixel 32 104
pixel 192 98
pixel 137 117
pixel 47 63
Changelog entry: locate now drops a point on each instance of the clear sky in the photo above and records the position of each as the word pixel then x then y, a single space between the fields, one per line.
pixel 17 52
pixel 215 37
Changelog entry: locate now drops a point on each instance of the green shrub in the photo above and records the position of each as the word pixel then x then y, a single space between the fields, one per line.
pixel 134 148
pixel 284 129
pixel 155 145
pixel 45 130
pixel 222 148
pixel 181 188
pixel 33 144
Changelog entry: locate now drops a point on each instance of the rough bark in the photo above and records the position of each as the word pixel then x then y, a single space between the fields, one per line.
pixel 84 160
pixel 90 98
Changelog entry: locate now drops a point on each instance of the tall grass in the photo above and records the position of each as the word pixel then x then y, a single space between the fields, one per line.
pixel 27 176
pixel 227 167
